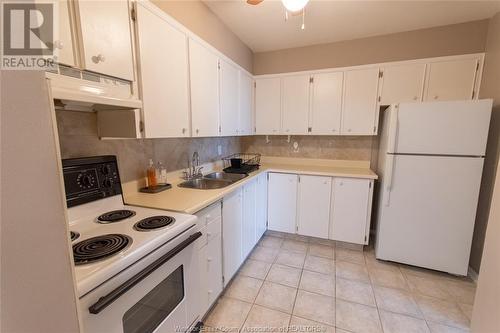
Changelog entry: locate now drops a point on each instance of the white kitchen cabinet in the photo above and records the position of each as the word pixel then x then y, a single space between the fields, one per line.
pixel 106 37
pixel 246 123
pixel 229 99
pixel 261 217
pixel 295 104
pixel 64 45
pixel 204 81
pixel 402 83
pixel 314 206
pixel 268 106
pixel 282 202
pixel 351 209
pixel 249 229
pixel 164 81
pixel 326 106
pixel 451 80
pixel 360 110
pixel 232 224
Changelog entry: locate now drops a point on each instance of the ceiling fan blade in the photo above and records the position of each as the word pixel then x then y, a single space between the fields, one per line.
pixel 254 2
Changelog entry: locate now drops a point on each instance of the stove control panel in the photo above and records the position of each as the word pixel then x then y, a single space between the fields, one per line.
pixel 90 178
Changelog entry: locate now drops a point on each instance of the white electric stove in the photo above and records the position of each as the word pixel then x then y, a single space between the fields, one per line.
pixel 135 267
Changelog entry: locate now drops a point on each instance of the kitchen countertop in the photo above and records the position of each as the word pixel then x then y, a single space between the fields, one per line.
pixel 193 200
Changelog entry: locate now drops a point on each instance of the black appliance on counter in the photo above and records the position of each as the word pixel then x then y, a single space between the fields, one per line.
pixel 241 163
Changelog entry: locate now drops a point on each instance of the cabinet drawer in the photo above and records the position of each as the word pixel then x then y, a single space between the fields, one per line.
pixel 209 214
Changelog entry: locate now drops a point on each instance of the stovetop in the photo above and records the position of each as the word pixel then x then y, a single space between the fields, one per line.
pixel 123 239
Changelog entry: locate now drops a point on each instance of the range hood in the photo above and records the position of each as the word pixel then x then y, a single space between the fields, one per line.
pixel 78 90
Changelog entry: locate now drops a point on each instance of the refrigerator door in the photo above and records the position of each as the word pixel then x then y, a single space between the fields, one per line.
pixel 440 128
pixel 427 211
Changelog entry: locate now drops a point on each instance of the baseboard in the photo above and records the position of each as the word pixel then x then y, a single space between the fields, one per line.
pixel 472 274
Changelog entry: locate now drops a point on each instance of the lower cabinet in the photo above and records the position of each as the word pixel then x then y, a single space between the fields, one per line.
pixel 261 207
pixel 249 228
pixel 282 202
pixel 232 217
pixel 351 209
pixel 314 206
pixel 318 206
pixel 209 257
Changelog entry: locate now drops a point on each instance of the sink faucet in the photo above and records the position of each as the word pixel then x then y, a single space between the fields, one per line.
pixel 194 169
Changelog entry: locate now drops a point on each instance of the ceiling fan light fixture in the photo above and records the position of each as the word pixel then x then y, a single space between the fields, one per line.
pixel 294 6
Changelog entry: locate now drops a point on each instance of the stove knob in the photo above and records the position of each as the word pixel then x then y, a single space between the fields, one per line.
pixel 106 169
pixel 86 180
pixel 107 183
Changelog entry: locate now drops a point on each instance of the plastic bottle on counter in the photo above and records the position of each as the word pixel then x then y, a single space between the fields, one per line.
pixel 151 173
pixel 161 171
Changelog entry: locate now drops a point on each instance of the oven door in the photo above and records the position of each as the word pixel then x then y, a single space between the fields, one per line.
pixel 152 295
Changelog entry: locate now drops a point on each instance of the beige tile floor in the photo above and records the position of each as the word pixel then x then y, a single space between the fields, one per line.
pixel 299 284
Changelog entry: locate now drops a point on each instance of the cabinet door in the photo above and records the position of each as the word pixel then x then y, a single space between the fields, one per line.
pixel 231 234
pixel 268 106
pixel 214 269
pixel 261 205
pixel 229 99
pixel 360 102
pixel 163 60
pixel 204 81
pixel 314 206
pixel 64 45
pixel 326 106
pixel 402 83
pixel 451 80
pixel 249 238
pixel 246 104
pixel 106 37
pixel 295 104
pixel 350 216
pixel 282 202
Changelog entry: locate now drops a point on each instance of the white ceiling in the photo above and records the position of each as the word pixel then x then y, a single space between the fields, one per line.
pixel 263 27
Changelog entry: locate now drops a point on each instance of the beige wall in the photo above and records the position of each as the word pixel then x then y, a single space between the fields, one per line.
pixel 37 289
pixel 197 17
pixel 434 42
pixel 485 315
pixel 78 137
pixel 490 88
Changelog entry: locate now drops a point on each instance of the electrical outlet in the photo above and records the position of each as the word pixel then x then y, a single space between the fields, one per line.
pixel 219 150
pixel 295 147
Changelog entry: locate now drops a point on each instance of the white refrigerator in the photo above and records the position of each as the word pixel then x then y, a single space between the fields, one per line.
pixel 430 164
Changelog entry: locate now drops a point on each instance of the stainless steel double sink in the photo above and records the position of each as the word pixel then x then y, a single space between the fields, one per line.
pixel 213 180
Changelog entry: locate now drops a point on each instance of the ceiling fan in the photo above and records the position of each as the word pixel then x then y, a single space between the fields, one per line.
pixel 294 7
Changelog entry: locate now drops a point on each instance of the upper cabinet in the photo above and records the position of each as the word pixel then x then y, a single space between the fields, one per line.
pixel 360 109
pixel 326 105
pixel 246 122
pixel 402 83
pixel 451 80
pixel 204 78
pixel 295 104
pixel 163 79
pixel 105 28
pixel 64 45
pixel 268 105
pixel 229 99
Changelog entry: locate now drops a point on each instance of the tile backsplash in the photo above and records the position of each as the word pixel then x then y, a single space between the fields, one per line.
pixel 78 137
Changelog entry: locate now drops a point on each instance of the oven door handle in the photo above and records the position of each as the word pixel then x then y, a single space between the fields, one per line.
pixel 105 301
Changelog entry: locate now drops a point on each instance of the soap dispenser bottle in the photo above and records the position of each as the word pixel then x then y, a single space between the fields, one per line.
pixel 151 173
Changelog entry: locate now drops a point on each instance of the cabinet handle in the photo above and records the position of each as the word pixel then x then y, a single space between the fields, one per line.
pixel 58 44
pixel 98 58
pixel 210 291
pixel 348 130
pixel 436 97
pixel 287 130
pixel 209 234
pixel 197 131
pixel 415 98
pixel 334 130
pixel 209 259
pixel 183 131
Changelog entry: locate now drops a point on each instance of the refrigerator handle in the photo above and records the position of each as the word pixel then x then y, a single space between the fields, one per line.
pixel 393 130
pixel 388 178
